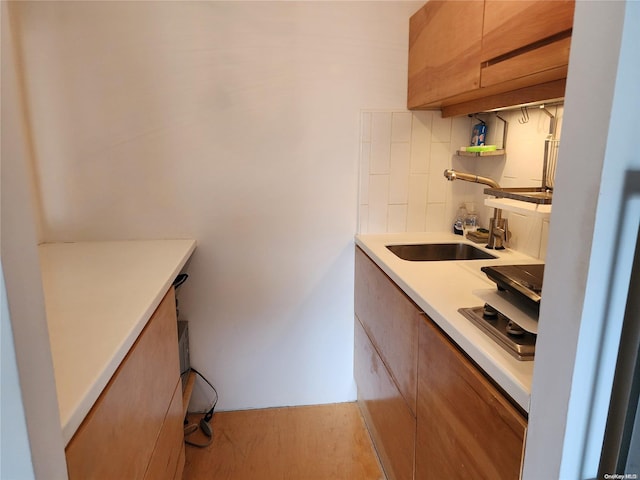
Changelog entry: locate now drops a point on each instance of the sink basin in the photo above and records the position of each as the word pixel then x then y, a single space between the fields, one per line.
pixel 434 252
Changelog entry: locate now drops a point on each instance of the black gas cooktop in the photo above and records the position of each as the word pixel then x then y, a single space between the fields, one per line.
pixel 525 281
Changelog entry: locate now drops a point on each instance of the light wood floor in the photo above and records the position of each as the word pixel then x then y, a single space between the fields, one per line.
pixel 323 442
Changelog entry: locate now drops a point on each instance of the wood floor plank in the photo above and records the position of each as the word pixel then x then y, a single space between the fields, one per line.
pixel 321 442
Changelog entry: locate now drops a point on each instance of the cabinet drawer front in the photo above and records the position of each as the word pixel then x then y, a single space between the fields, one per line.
pixel 391 320
pixel 466 428
pixel 170 444
pixel 552 59
pixel 510 25
pixel 390 422
pixel 118 436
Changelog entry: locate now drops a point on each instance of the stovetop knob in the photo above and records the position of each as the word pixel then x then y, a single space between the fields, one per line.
pixel 489 312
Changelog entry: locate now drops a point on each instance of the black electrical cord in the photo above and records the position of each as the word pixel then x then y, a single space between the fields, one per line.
pixel 208 414
pixel 179 280
pixel 204 421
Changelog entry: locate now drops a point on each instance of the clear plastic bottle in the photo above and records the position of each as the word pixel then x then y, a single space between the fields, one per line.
pixel 470 222
pixel 458 223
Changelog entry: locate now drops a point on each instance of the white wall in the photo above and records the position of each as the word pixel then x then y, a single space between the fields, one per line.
pixel 574 316
pixel 403 156
pixel 25 342
pixel 237 124
pixel 15 452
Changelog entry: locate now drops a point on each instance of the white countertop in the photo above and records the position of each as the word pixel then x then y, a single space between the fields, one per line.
pixel 440 288
pixel 98 298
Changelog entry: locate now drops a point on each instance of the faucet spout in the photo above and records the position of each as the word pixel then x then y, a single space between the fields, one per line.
pixel 498 229
pixel 451 175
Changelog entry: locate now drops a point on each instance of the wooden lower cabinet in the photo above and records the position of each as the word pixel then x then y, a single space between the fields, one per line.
pixel 466 427
pixel 137 420
pixel 391 320
pixel 462 426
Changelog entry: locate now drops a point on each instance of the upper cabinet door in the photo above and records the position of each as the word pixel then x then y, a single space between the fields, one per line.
pixel 445 40
pixel 510 25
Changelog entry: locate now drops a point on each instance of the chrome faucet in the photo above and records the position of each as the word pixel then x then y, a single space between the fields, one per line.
pixel 498 227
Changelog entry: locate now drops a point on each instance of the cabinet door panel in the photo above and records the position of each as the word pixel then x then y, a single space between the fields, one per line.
pixel 118 436
pixel 390 422
pixel 391 320
pixel 510 25
pixel 552 58
pixel 445 38
pixel 466 428
pixel 170 445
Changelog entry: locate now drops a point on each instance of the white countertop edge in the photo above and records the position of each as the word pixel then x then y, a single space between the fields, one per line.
pixel 78 411
pixel 505 370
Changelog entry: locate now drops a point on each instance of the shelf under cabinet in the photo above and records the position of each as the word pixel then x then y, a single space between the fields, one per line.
pixel 518 206
pixel 491 153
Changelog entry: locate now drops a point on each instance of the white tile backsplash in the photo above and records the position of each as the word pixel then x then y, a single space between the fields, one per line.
pixel 378 203
pixel 421 141
pixel 436 220
pixel 399 173
pixel 397 219
pixel 402 158
pixel 441 130
pixel 437 189
pixel 363 181
pixel 401 127
pixel 440 158
pixel 417 207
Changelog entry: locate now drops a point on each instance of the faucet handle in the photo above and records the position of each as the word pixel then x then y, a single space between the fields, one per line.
pixel 507 235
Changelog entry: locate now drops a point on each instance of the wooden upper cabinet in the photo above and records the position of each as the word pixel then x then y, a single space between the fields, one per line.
pixel 511 25
pixel 526 40
pixel 445 40
pixel 469 56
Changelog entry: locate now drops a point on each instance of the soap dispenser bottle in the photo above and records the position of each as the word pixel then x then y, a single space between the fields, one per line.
pixel 458 223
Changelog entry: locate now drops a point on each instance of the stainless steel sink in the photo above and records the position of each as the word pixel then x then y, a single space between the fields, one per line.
pixel 434 252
